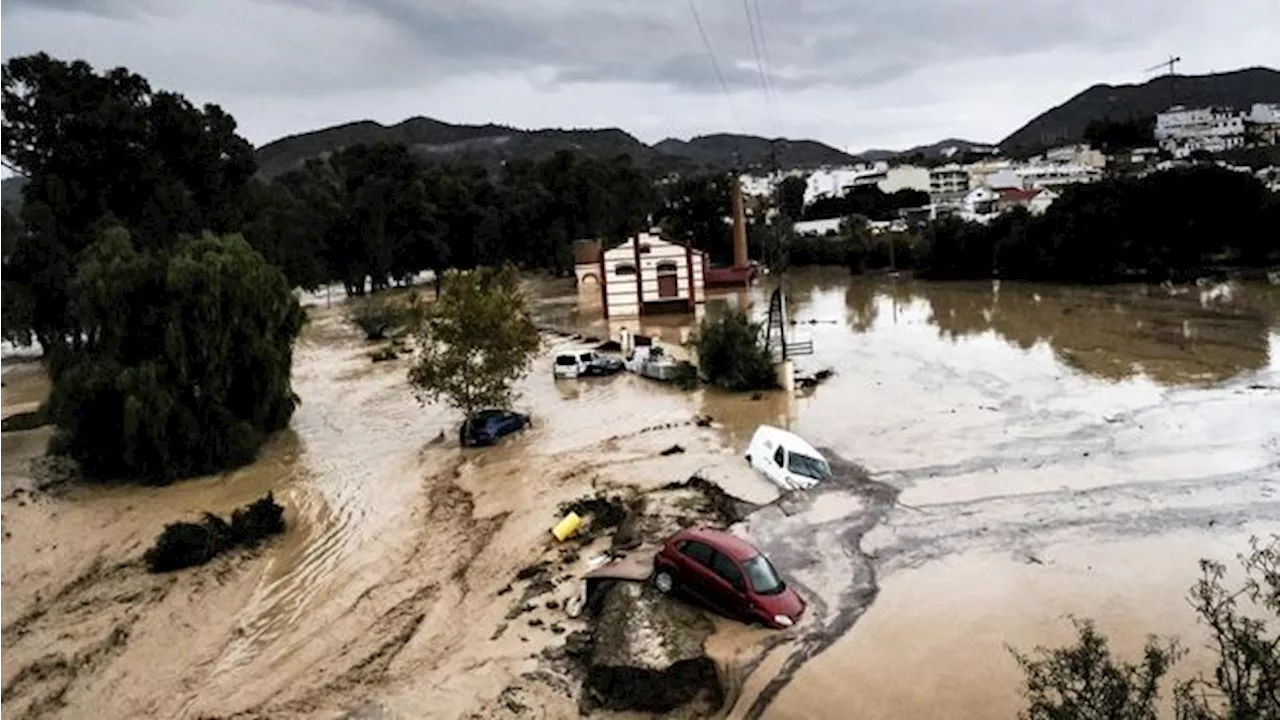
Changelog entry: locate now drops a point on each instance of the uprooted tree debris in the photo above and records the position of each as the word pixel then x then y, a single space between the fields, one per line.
pixel 184 544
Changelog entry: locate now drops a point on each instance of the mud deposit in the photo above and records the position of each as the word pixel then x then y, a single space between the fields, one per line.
pixel 1032 451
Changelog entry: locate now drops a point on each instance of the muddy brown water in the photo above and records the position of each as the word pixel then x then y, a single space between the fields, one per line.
pixel 1033 451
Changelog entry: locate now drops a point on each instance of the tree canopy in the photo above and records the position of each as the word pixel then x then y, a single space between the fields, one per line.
pixel 99 150
pixel 475 341
pixel 186 358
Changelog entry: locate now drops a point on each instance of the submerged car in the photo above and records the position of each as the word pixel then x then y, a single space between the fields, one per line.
pixel 728 575
pixel 585 363
pixel 786 459
pixel 488 426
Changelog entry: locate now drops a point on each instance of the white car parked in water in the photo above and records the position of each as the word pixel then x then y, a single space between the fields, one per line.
pixel 786 460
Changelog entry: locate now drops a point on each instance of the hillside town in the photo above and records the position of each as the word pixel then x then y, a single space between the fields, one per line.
pixel 991 184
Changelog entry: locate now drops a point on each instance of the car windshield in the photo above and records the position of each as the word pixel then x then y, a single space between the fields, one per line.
pixel 763 578
pixel 812 467
pixel 566 360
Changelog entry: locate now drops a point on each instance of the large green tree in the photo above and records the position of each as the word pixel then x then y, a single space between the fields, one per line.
pixel 475 341
pixel 102 149
pixel 186 358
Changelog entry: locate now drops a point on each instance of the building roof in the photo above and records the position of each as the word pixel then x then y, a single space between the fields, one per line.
pixel 1017 194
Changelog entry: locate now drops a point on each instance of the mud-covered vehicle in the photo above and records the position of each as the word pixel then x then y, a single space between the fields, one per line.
pixel 786 459
pixel 489 426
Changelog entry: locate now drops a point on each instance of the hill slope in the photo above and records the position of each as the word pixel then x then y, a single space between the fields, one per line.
pixel 491 144
pixel 1066 123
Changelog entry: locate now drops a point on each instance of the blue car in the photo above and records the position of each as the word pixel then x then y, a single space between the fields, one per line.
pixel 488 426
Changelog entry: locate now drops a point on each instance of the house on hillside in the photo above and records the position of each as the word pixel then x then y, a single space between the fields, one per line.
pixel 1042 200
pixel 1010 198
pixel 644 275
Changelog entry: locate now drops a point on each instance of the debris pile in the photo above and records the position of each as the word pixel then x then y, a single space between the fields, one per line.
pixel 647 655
pixel 184 544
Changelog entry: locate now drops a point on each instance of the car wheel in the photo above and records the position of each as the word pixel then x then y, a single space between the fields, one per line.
pixel 664 582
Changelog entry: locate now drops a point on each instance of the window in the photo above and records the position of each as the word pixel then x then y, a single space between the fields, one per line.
pixel 645 249
pixel 763 578
pixel 565 360
pixel 807 466
pixel 698 551
pixel 780 457
pixel 667 268
pixel 728 570
pixel 625 269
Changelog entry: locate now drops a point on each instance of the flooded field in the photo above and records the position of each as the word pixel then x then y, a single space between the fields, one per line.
pixel 1032 451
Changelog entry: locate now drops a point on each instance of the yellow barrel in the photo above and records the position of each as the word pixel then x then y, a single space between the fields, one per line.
pixel 568 527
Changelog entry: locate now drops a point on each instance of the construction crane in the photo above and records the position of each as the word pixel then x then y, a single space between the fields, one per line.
pixel 1173 83
pixel 1167 63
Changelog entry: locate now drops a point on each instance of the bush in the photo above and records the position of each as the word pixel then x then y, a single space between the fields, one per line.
pixel 379 317
pixel 1085 681
pixel 185 364
pixel 731 354
pixel 184 544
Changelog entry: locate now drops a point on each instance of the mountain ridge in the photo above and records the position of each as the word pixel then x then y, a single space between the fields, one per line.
pixel 1066 123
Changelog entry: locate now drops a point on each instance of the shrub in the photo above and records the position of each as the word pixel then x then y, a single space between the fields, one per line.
pixel 731 354
pixel 379 317
pixel 184 544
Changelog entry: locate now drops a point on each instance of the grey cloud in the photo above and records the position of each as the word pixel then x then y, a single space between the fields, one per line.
pixel 847 44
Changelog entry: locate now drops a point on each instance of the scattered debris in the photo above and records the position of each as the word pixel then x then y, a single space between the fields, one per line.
pixel 805 382
pixel 504 590
pixel 534 570
pixel 703 420
pixel 384 354
pixel 536 622
pixel 185 544
pixel 605 511
pixel 673 450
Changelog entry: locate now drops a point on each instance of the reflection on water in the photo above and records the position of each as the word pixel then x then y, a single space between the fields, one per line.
pixel 1173 335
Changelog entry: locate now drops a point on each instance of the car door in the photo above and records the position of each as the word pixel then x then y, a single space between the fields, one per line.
pixel 695 571
pixel 731 589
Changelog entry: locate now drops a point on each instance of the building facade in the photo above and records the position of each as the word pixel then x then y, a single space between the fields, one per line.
pixel 645 275
pixel 1182 131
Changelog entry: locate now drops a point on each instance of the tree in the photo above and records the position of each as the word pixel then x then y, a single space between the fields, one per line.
pixel 100 150
pixel 732 355
pixel 186 362
pixel 475 341
pixel 791 196
pixel 1086 681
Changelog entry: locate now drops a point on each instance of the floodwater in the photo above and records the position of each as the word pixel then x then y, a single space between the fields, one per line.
pixel 1033 451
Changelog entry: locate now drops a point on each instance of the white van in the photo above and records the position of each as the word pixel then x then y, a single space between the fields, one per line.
pixel 786 460
pixel 584 363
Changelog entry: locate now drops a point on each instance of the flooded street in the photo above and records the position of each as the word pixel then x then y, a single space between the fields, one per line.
pixel 1030 451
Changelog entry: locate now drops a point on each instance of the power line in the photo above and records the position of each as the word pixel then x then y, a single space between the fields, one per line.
pixel 715 65
pixel 760 50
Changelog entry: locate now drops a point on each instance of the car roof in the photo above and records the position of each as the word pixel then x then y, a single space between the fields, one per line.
pixel 788 440
pixel 731 545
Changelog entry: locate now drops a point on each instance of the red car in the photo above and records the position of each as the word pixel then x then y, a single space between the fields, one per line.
pixel 727 574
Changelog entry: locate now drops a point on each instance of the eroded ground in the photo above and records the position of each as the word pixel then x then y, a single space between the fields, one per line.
pixel 1032 452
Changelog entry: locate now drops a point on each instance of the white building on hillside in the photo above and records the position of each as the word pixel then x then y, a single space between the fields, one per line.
pixel 948 181
pixel 1035 177
pixel 1183 131
pixel 811 228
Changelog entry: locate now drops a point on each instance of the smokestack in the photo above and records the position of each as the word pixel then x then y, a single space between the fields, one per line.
pixel 739 226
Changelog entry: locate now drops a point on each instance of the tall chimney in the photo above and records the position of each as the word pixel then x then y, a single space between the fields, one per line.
pixel 739 226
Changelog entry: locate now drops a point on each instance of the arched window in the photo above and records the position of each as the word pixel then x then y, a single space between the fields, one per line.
pixel 625 269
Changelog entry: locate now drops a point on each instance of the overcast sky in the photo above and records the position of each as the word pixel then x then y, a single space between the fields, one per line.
pixel 852 73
